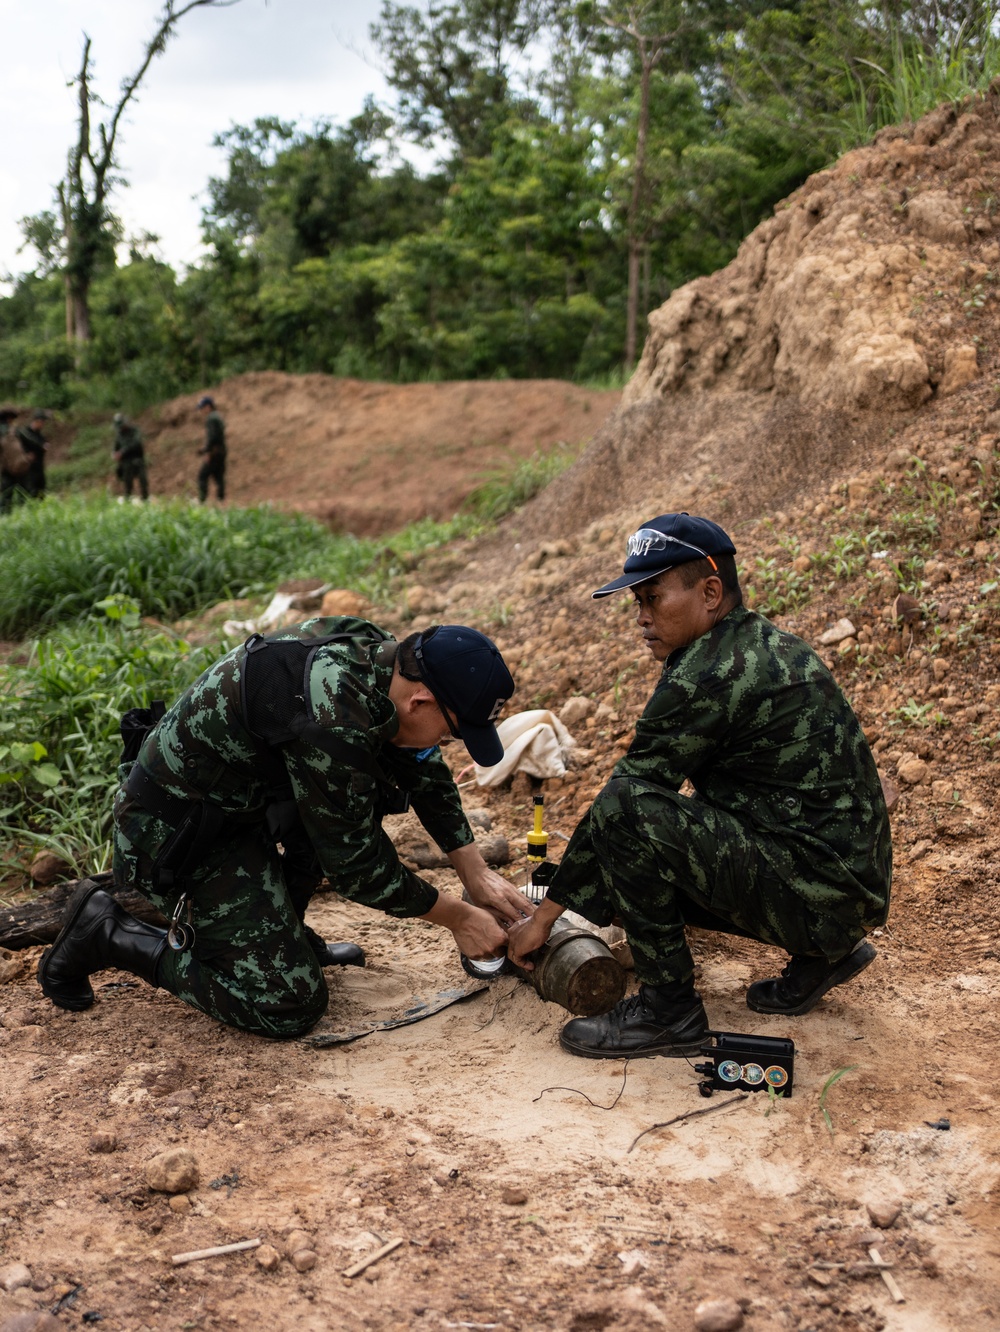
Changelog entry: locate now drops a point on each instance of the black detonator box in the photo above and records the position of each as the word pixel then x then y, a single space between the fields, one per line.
pixel 747 1063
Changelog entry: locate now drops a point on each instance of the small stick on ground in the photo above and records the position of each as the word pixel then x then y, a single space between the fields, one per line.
pixel 887 1277
pixel 692 1114
pixel 217 1252
pixel 357 1268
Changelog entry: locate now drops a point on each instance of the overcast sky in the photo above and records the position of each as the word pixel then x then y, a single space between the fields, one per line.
pixel 298 59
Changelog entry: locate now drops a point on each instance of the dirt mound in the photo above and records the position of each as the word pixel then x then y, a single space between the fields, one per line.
pixel 871 295
pixel 367 457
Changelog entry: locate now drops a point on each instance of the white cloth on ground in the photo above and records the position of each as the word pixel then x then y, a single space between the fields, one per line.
pixel 534 742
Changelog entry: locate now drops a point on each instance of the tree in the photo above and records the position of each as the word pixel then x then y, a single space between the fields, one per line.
pixel 453 67
pixel 291 195
pixel 671 33
pixel 87 226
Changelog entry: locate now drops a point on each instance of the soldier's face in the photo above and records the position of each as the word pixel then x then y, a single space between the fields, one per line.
pixel 422 725
pixel 671 615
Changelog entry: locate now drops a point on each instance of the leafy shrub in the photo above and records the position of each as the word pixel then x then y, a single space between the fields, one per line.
pixel 59 740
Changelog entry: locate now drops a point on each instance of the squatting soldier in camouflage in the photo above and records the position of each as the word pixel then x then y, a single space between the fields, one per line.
pixel 786 838
pixel 305 739
pixel 130 456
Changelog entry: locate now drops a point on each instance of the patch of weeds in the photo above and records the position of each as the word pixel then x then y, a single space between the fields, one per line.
pixel 775 589
pixel 498 615
pixel 620 680
pixel 912 713
pixel 975 301
pixel 506 490
pixel 61 713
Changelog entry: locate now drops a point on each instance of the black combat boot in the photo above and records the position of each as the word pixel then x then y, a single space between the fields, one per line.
pixel 666 1019
pixel 97 933
pixel 805 980
pixel 334 954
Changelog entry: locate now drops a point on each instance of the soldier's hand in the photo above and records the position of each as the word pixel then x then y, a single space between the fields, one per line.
pixel 476 932
pixel 479 935
pixel 528 936
pixel 487 888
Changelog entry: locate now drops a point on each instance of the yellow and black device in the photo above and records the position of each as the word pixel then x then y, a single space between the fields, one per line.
pixel 540 871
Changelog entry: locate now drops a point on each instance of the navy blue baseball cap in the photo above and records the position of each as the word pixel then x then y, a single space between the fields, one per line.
pixel 663 543
pixel 465 672
pixel 206 401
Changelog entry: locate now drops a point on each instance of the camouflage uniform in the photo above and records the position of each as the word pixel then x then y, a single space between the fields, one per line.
pixel 30 484
pixel 131 458
pixel 786 838
pixel 316 773
pixel 214 466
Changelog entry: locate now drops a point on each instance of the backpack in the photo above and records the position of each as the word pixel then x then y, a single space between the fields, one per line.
pixel 14 459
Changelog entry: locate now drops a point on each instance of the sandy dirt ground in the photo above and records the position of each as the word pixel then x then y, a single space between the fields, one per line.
pixel 505 1165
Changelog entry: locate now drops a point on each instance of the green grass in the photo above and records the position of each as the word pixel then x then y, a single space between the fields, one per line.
pixel 506 490
pixel 59 558
pixel 914 80
pixel 831 1081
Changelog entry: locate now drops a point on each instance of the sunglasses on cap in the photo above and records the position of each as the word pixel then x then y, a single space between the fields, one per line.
pixel 648 539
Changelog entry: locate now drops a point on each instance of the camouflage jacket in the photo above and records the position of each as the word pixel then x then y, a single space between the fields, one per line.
pixel 336 766
pixel 751 716
pixel 128 442
pixel 215 436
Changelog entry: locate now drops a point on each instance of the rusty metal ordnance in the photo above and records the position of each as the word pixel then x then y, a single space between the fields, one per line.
pixel 577 970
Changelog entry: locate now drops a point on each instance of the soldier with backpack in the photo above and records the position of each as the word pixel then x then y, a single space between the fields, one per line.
pixel 274 769
pixel 22 459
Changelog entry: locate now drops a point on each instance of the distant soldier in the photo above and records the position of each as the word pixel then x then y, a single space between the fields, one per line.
pixel 23 473
pixel 214 449
pixel 130 456
pixel 13 460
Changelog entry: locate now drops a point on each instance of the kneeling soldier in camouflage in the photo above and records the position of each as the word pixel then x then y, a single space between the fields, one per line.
pixel 786 838
pixel 272 770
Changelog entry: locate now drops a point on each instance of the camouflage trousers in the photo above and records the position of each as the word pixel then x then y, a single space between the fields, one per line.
pixel 131 470
pixel 250 965
pixel 659 861
pixel 212 470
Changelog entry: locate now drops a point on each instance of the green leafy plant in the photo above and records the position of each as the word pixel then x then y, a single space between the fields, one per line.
pixel 912 713
pixel 61 709
pixel 831 1081
pixel 22 762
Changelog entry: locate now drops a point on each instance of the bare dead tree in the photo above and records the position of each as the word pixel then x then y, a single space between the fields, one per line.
pixel 90 170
